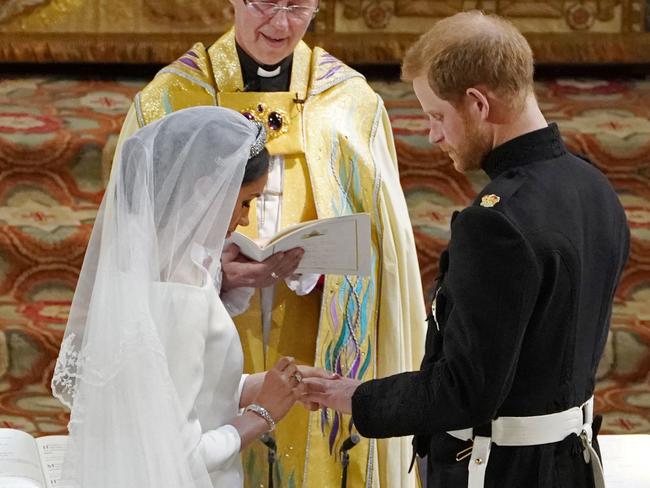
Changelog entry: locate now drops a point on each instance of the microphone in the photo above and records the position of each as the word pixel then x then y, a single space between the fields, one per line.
pixel 269 442
pixel 350 442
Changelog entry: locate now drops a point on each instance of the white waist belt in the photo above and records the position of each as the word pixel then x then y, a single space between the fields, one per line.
pixel 531 431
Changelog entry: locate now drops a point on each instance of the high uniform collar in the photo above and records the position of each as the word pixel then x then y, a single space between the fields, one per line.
pixel 528 148
pixel 264 77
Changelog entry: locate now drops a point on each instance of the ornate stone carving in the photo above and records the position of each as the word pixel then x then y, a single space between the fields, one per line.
pixel 12 8
pixel 580 16
pixel 207 12
pixel 605 9
pixel 425 8
pixel 525 8
pixel 351 9
pixel 359 31
pixel 374 10
pixel 377 14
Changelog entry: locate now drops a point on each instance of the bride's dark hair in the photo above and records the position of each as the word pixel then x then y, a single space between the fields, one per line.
pixel 256 167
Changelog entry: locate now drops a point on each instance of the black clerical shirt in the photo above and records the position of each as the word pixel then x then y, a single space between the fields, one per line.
pixel 524 301
pixel 253 82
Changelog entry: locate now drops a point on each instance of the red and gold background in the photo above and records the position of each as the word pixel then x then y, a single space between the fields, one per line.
pixel 359 31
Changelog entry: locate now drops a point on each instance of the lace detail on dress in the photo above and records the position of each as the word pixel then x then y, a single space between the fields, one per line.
pixel 68 364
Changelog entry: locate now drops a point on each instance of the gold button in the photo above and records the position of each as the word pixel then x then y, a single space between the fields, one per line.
pixel 478 461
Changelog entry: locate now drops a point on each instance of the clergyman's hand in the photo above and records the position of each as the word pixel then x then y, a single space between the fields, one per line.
pixel 312 372
pixel 331 393
pixel 239 271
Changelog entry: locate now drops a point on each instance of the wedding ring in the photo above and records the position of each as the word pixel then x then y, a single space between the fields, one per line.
pixel 297 376
pixel 274 275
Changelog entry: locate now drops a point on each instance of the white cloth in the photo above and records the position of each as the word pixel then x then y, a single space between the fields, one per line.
pixel 269 215
pixel 626 460
pixel 152 379
pixel 205 362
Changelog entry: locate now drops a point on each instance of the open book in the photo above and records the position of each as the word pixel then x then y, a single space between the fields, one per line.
pixel 625 461
pixel 338 245
pixel 26 462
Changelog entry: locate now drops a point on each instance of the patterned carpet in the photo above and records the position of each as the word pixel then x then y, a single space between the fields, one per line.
pixel 52 138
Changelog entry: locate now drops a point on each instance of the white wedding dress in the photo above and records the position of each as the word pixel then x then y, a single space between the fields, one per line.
pixel 151 363
pixel 205 362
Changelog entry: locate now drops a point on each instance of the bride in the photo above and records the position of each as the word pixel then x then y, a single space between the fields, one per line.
pixel 151 363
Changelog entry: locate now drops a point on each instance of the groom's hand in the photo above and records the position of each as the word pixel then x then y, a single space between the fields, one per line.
pixel 239 271
pixel 331 393
pixel 312 372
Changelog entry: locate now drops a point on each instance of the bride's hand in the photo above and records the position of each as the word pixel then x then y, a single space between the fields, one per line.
pixel 312 372
pixel 278 392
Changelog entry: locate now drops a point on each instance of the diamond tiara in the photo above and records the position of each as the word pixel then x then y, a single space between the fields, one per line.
pixel 260 141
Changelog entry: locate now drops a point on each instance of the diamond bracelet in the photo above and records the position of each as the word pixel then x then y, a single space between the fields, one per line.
pixel 262 412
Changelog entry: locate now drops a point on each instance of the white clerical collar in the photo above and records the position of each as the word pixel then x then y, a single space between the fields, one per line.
pixel 268 74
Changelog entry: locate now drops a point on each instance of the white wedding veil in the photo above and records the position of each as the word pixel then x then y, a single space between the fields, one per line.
pixel 166 210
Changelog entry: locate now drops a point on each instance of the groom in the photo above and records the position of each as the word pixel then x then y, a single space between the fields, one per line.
pixel 523 302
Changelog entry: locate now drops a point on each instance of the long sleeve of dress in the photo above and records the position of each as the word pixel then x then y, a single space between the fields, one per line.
pixel 237 300
pixel 192 365
pixel 491 283
pixel 219 447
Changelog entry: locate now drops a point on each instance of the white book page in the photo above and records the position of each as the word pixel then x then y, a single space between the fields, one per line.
pixel 20 466
pixel 332 246
pixel 51 450
pixel 338 245
pixel 625 460
pixel 248 247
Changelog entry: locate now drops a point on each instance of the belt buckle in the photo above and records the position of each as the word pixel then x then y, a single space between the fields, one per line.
pixel 465 453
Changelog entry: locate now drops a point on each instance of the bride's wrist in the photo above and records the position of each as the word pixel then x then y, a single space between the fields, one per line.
pixel 250 427
pixel 262 413
pixel 251 389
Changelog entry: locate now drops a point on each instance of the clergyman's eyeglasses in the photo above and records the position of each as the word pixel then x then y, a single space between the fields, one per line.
pixel 269 9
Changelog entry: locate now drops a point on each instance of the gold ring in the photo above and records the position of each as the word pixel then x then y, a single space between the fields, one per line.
pixel 297 376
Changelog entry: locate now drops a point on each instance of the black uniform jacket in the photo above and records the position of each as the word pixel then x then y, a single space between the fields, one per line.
pixel 524 300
